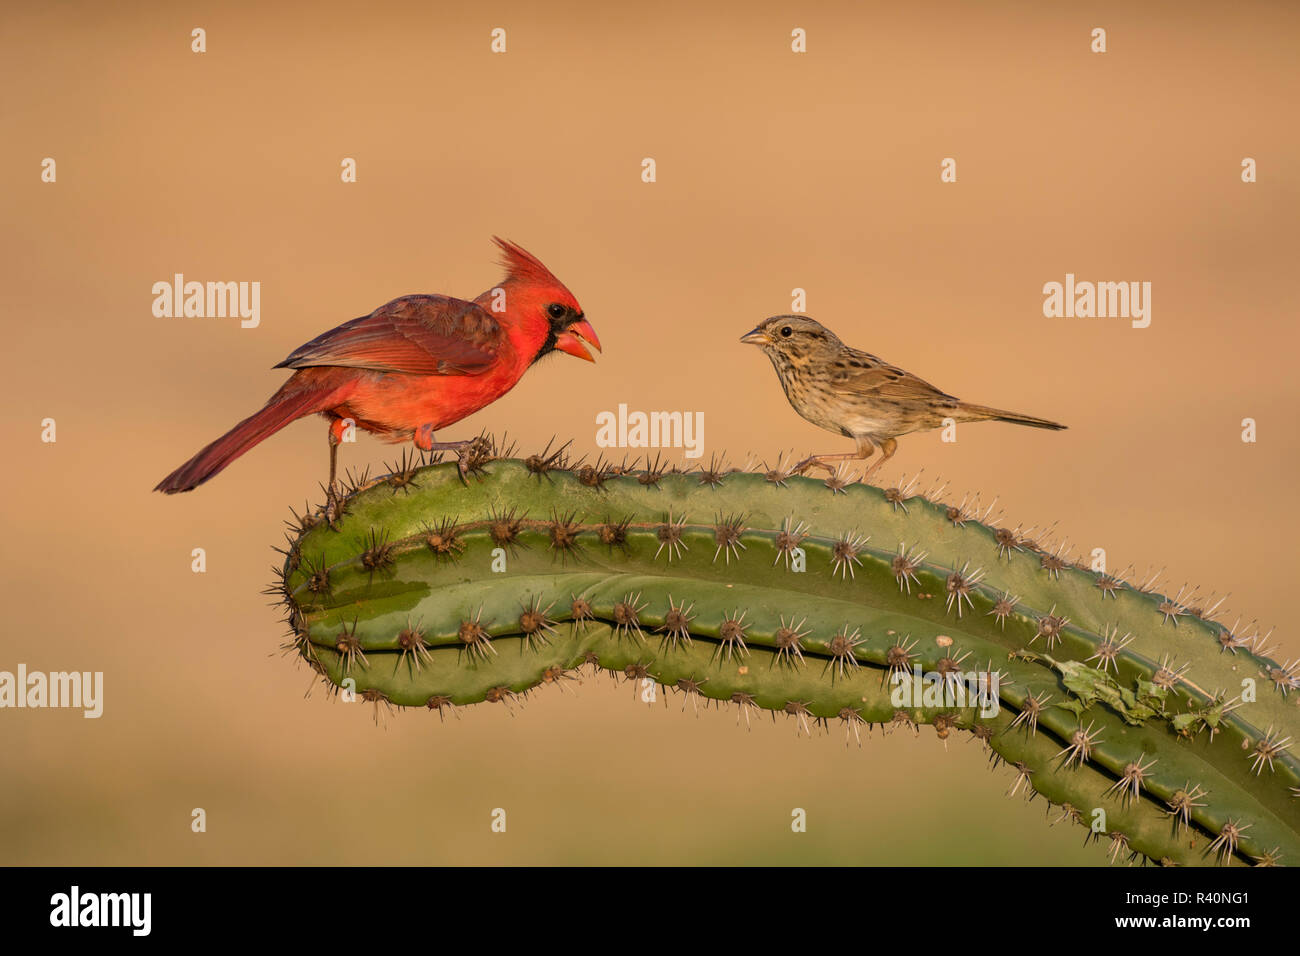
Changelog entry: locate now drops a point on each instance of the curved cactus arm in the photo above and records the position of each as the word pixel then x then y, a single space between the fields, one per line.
pixel 1171 629
pixel 691 580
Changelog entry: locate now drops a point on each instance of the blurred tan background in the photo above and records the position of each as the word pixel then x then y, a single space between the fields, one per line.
pixel 775 171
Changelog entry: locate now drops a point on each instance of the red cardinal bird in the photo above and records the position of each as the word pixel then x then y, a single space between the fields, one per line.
pixel 413 366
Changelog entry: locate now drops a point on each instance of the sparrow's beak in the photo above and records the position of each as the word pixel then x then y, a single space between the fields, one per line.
pixel 571 339
pixel 756 337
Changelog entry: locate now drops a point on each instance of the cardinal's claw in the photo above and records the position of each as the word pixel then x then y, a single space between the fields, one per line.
pixel 333 508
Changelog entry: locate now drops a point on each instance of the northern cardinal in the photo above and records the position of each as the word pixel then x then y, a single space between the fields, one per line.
pixel 413 366
pixel 855 394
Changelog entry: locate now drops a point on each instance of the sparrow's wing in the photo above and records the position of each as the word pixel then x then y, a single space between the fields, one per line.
pixel 416 334
pixel 865 375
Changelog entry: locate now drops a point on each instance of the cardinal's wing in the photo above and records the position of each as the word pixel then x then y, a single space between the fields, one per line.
pixel 416 334
pixel 865 375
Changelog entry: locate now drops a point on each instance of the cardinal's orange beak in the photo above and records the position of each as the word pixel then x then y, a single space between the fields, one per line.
pixel 571 339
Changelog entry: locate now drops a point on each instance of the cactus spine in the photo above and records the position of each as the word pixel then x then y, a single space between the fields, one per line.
pixel 825 601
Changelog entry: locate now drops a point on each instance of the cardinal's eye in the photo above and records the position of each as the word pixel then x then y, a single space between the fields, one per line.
pixel 556 310
pixel 786 332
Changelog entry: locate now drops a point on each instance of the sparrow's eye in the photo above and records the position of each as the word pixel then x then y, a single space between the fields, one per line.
pixel 786 332
pixel 556 310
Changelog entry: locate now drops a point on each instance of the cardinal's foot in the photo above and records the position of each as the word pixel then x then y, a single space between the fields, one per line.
pixel 473 456
pixel 333 511
pixel 472 453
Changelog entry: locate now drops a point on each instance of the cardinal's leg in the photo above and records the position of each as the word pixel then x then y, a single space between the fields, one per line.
pixel 423 439
pixel 865 449
pixel 337 427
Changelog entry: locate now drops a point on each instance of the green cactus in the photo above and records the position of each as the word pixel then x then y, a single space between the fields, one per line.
pixel 823 600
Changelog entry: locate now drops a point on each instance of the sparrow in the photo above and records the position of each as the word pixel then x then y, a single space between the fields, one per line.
pixel 856 394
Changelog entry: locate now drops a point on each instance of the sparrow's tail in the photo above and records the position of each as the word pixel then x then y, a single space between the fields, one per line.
pixel 979 413
pixel 285 406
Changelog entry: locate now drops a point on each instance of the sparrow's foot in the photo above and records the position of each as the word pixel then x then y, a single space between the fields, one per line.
pixel 813 462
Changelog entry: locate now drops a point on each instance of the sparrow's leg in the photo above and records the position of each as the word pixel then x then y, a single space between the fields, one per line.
pixel 887 449
pixel 865 449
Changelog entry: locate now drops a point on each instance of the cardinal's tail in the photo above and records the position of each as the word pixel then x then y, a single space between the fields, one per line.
pixel 283 408
pixel 984 413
